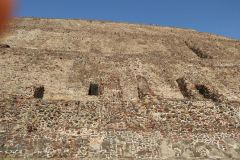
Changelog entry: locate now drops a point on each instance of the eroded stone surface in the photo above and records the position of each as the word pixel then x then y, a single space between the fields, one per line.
pixel 97 129
pixel 163 93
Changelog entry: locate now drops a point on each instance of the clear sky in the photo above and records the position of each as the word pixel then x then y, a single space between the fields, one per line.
pixel 215 16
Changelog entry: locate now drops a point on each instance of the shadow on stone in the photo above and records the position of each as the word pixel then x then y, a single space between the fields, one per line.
pixel 200 53
pixel 93 90
pixel 207 93
pixel 4 46
pixel 182 84
pixel 39 92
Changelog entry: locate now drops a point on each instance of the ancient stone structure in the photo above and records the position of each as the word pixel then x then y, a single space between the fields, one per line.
pixel 73 89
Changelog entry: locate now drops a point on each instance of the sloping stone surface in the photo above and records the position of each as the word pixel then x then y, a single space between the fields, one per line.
pixel 163 93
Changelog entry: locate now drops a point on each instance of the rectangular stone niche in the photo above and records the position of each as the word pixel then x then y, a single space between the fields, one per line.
pixel 39 92
pixel 208 93
pixel 93 90
pixel 4 46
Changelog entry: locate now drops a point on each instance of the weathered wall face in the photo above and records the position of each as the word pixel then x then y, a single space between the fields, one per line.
pixel 159 84
pixel 66 55
pixel 106 129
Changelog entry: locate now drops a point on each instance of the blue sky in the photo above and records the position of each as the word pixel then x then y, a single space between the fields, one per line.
pixel 215 16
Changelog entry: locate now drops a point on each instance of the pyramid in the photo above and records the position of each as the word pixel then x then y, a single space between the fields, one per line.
pixel 80 89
